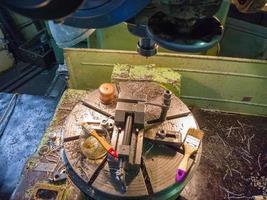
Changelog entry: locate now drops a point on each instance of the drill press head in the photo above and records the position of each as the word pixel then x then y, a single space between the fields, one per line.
pixel 184 26
pixel 178 25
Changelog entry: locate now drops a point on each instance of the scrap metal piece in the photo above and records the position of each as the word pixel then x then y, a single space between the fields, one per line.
pixel 107 124
pixel 44 150
pixel 59 176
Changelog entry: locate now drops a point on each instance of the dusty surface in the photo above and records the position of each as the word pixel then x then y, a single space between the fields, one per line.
pixel 234 159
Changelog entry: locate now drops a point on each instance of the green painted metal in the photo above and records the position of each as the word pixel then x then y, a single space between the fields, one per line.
pixel 99 37
pixel 223 11
pixel 217 83
pixel 166 77
pixel 244 40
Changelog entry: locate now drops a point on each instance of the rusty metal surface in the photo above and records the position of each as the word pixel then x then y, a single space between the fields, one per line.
pixel 152 92
pixel 161 163
pixel 93 100
pixel 94 177
pixel 105 184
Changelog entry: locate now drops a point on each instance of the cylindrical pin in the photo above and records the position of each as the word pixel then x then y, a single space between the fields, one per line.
pixel 167 102
pixel 107 93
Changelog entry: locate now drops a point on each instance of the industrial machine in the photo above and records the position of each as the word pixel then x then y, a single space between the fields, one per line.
pixel 123 140
pixel 178 25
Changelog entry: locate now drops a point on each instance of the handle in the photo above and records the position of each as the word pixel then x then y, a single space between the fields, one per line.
pixel 103 142
pixel 182 169
pixel 112 152
pixel 180 175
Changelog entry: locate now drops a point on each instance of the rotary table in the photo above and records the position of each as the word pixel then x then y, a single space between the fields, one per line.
pixel 149 156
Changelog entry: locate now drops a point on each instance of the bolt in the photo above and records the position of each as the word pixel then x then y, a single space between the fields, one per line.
pixel 52 136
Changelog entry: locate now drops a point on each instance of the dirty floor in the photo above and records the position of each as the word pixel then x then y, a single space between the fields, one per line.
pixel 234 159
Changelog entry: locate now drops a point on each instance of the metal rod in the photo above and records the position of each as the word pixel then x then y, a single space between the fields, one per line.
pixel 97 109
